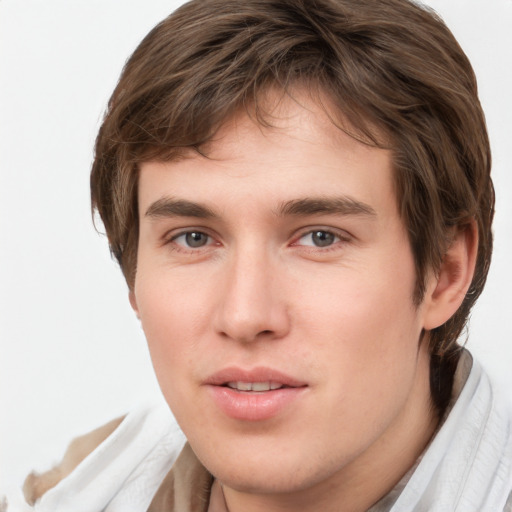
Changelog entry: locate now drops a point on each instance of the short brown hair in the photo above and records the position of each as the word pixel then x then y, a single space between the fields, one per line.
pixel 389 64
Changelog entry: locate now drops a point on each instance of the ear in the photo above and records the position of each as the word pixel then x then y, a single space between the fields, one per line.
pixel 446 291
pixel 133 303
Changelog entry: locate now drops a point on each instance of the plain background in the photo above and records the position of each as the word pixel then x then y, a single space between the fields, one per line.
pixel 72 354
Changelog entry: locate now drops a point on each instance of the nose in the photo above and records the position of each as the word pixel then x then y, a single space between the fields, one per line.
pixel 252 304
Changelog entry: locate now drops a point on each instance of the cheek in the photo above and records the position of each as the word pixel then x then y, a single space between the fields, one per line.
pixel 364 353
pixel 369 299
pixel 170 323
pixel 368 335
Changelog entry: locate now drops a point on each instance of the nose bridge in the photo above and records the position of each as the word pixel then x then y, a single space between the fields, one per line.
pixel 251 306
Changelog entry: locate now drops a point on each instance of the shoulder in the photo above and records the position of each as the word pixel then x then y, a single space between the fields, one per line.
pixel 37 484
pixel 120 464
pixel 468 464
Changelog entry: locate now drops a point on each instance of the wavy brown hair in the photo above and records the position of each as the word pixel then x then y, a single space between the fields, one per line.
pixel 388 66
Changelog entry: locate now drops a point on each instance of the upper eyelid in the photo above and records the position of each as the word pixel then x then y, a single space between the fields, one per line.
pixel 187 232
pixel 171 234
pixel 170 242
pixel 175 232
pixel 340 233
pixel 167 239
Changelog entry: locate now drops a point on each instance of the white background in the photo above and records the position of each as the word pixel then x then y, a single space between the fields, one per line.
pixel 72 355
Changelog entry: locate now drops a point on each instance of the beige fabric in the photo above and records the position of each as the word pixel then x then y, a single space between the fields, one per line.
pixel 217 501
pixel 186 488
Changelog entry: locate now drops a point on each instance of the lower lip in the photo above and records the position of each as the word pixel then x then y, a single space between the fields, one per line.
pixel 253 406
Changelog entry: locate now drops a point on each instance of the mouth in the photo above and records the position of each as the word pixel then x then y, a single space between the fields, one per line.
pixel 254 395
pixel 260 379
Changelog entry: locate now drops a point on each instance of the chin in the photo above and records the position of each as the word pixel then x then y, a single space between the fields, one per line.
pixel 263 481
pixel 269 471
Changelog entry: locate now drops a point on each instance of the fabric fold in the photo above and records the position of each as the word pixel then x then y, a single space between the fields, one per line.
pixel 125 471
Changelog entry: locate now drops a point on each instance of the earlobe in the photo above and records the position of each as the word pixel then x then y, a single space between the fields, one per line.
pixel 133 303
pixel 448 289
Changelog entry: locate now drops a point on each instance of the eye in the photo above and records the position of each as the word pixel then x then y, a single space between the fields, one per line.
pixel 318 238
pixel 192 239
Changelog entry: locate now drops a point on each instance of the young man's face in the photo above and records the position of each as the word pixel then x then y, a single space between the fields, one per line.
pixel 281 262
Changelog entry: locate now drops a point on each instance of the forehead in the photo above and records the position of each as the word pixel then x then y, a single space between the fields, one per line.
pixel 299 152
pixel 304 112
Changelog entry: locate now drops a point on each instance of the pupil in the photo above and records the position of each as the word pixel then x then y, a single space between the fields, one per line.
pixel 322 238
pixel 195 239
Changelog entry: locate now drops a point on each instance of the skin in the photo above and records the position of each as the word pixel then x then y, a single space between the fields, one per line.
pixel 259 288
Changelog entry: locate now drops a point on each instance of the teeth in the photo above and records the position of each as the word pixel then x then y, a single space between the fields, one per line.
pixel 254 386
pixel 243 386
pixel 261 386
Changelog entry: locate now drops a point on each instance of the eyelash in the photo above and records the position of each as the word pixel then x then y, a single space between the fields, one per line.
pixel 171 241
pixel 340 238
pixel 336 236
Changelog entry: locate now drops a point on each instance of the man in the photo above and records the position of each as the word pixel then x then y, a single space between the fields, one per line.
pixel 298 195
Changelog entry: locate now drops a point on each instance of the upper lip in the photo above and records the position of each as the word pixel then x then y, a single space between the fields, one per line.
pixel 258 374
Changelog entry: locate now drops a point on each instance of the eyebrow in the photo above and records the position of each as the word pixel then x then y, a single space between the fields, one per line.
pixel 343 205
pixel 169 207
